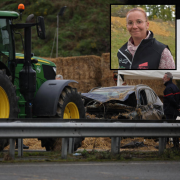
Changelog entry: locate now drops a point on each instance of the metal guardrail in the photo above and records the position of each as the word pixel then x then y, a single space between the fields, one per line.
pixel 74 129
pixel 96 120
pixel 66 130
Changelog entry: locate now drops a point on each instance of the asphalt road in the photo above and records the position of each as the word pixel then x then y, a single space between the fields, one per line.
pixel 91 171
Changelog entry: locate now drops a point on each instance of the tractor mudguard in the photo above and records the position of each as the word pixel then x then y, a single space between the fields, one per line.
pixel 46 99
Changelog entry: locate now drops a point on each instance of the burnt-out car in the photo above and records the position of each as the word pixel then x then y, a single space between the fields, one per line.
pixel 124 102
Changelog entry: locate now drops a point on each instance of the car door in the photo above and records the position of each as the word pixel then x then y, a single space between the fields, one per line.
pixel 154 109
pixel 146 104
pixel 157 105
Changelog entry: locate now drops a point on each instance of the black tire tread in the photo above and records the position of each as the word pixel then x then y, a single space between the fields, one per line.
pixel 66 96
pixel 8 87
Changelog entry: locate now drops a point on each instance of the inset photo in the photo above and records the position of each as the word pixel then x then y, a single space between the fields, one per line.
pixel 143 37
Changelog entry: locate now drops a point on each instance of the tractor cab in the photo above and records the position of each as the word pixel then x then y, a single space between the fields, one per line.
pixel 7 50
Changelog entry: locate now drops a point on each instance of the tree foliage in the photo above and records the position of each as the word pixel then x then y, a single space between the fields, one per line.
pixel 164 12
pixel 84 29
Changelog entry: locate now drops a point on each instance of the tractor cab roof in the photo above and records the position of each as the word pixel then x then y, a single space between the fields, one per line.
pixel 9 14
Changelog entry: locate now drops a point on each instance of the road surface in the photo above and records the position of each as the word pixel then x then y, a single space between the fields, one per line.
pixel 158 170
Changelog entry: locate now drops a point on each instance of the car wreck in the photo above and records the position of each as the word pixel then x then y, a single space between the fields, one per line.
pixel 124 102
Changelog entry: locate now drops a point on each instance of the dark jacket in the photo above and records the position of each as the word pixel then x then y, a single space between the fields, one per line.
pixel 147 55
pixel 171 99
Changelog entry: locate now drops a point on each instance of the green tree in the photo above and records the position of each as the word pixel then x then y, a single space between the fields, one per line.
pixel 164 12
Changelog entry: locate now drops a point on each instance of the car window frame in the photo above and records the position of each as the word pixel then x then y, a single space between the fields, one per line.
pixel 155 95
pixel 152 102
pixel 139 90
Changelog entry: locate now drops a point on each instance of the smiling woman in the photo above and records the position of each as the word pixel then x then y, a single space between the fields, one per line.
pixel 143 51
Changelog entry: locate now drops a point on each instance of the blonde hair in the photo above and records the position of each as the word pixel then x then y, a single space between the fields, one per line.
pixel 138 9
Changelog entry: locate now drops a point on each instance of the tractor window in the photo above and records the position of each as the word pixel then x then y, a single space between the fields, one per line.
pixel 6 51
pixel 4 35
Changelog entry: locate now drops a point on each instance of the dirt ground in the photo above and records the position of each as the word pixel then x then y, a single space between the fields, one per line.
pixel 105 144
pixel 101 143
pixel 33 144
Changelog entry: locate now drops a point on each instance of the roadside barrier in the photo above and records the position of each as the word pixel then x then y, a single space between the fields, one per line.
pixel 70 129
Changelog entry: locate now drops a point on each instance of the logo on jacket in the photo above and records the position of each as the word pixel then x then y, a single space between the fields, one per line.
pixel 143 66
pixel 123 61
pixel 121 67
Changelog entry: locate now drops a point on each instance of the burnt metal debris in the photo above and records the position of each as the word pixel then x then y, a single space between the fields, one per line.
pixel 133 144
pixel 124 102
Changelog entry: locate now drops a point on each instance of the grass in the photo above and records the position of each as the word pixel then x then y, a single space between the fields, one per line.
pixel 98 156
pixel 118 39
pixel 163 32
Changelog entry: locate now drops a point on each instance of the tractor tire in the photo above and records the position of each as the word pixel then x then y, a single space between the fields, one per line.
pixel 8 102
pixel 70 106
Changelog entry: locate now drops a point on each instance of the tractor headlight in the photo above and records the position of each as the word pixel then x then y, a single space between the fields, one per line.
pixel 54 68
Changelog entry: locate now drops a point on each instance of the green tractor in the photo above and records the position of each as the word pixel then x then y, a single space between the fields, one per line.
pixel 28 88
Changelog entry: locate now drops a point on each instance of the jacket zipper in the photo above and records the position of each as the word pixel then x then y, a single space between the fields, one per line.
pixel 135 54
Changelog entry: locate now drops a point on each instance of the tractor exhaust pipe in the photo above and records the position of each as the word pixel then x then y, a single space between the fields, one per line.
pixel 27 76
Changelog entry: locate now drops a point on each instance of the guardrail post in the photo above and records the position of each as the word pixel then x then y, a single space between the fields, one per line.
pixel 162 145
pixel 12 148
pixel 64 148
pixel 20 147
pixel 71 145
pixel 115 145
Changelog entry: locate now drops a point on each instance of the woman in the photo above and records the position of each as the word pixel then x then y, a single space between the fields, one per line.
pixel 142 51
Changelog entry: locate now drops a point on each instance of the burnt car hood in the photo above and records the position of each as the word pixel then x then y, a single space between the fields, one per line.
pixel 105 94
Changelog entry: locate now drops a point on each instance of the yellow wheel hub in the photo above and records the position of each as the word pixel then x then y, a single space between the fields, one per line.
pixel 71 111
pixel 4 104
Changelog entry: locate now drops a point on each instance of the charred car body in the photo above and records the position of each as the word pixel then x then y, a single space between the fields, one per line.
pixel 124 102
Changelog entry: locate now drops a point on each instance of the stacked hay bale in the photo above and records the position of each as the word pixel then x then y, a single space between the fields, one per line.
pixel 89 71
pixel 107 74
pixel 86 70
pixel 92 71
